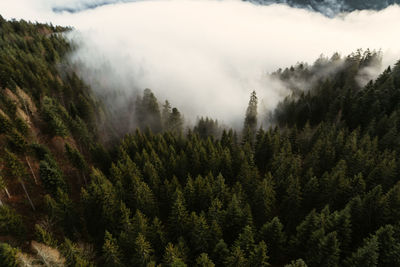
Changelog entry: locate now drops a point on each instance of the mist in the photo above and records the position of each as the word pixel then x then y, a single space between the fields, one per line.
pixel 206 57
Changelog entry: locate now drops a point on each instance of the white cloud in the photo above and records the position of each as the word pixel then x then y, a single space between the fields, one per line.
pixel 206 56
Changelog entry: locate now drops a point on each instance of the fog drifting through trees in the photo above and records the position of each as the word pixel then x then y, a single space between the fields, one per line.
pixel 208 55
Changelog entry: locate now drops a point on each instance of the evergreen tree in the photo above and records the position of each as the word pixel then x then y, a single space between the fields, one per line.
pixel 204 261
pixel 112 255
pixel 389 246
pixel 220 253
pixel 297 263
pixel 273 233
pixel 143 254
pixel 173 257
pixel 179 216
pixel 366 255
pixel 258 257
pixel 8 256
pixel 250 121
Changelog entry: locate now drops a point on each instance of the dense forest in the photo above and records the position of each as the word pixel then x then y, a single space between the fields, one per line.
pixel 318 188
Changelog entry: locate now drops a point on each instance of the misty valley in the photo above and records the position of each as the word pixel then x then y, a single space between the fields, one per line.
pixel 199 133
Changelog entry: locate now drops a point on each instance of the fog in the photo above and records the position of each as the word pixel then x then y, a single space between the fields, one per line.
pixel 207 56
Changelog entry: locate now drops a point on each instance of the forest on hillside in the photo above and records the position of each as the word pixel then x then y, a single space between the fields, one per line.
pixel 318 188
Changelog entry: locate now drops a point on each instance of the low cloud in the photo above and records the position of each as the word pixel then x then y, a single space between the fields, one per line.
pixel 207 56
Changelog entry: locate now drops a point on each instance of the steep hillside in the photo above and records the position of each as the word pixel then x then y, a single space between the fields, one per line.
pixel 48 120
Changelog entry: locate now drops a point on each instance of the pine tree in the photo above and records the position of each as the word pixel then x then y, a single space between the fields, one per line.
pixel 389 247
pixel 51 175
pixel 173 257
pixel 258 256
pixel 11 222
pixel 199 233
pixel 175 122
pixel 179 217
pixel 77 160
pixel 165 115
pixel 8 256
pixel 236 258
pixel 73 254
pixel 273 233
pixel 157 236
pixel 204 261
pixel 264 201
pixel 220 253
pixel 101 205
pixel 111 253
pixel 250 121
pixel 297 263
pixel 392 198
pixel 148 111
pixel 143 254
pixel 17 171
pixel 235 219
pixel 366 255
pixel 329 251
pixel 245 240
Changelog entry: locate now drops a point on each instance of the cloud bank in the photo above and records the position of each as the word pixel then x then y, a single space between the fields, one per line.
pixel 207 56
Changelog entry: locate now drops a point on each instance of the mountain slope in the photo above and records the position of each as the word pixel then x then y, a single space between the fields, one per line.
pixel 319 189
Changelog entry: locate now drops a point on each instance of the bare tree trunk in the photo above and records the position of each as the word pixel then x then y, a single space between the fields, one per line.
pixel 8 193
pixel 26 193
pixel 33 174
pixel 26 109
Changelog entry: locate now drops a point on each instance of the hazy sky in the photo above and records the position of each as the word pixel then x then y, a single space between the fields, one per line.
pixel 207 56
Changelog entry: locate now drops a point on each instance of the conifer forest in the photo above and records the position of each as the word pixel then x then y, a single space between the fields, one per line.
pixel 87 182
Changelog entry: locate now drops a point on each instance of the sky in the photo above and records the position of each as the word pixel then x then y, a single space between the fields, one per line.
pixel 206 56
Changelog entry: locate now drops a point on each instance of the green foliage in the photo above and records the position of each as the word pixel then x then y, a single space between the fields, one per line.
pixel 3 183
pixel 44 236
pixel 258 257
pixel 236 258
pixel 52 113
pixel 148 111
pixel 76 158
pixel 11 222
pixel 17 142
pixel 273 233
pixel 8 256
pixel 5 124
pixel 173 257
pixel 21 126
pixel 297 263
pixel 204 261
pixel 143 252
pixel 250 121
pixel 111 254
pixel 207 127
pixel 14 168
pixel 321 186
pixel 51 175
pixel 366 255
pixel 74 255
pixel 62 211
pixel 39 150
